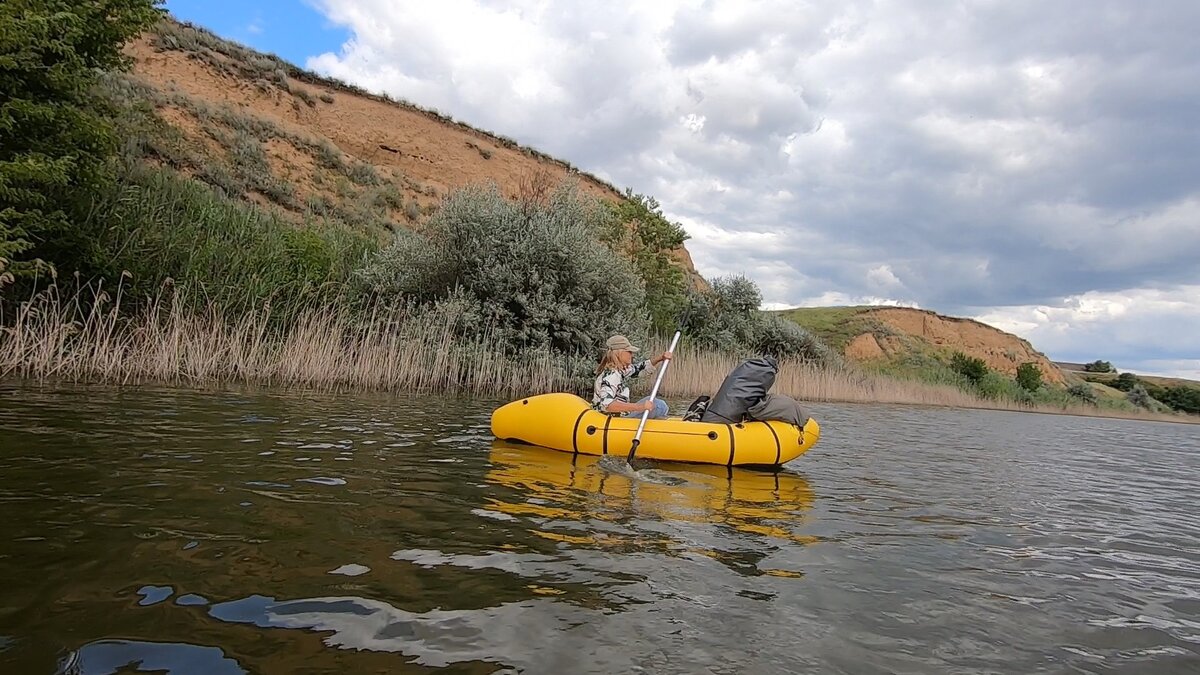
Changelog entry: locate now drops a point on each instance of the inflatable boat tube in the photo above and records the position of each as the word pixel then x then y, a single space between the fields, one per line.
pixel 566 422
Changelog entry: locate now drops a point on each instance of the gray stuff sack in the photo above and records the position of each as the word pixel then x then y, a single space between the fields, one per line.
pixel 742 389
pixel 779 407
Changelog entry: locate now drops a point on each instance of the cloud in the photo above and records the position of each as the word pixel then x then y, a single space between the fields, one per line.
pixel 1122 328
pixel 960 158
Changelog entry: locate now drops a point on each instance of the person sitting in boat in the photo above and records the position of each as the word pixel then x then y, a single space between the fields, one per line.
pixel 610 393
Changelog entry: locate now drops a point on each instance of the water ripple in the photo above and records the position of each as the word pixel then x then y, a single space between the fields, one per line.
pixel 197 532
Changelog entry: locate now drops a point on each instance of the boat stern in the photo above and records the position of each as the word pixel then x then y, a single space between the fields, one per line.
pixel 809 435
pixel 807 438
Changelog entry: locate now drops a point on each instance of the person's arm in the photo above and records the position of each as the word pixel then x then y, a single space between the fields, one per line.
pixel 621 406
pixel 637 368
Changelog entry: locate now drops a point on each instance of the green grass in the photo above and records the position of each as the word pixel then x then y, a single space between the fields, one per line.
pixel 835 326
pixel 240 167
pixel 1105 392
pixel 160 227
pixel 917 361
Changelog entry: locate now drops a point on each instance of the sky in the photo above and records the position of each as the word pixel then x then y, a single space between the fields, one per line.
pixel 1033 165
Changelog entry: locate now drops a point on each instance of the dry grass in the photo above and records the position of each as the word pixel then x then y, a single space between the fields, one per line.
pixel 695 373
pixel 88 338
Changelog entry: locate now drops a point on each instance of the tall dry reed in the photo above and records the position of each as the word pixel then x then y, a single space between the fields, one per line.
pixel 694 373
pixel 88 338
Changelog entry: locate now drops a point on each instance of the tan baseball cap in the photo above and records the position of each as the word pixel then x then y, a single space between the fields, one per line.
pixel 620 342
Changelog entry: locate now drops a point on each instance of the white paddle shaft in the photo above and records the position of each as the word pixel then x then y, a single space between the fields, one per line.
pixel 654 391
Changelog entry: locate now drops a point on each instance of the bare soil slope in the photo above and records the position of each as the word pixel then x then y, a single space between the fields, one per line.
pixel 874 333
pixel 1001 351
pixel 253 124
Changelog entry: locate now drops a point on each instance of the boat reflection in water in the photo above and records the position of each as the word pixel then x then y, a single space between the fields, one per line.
pixel 573 500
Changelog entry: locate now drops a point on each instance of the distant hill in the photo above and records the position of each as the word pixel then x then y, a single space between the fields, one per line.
pixel 909 337
pixel 1077 369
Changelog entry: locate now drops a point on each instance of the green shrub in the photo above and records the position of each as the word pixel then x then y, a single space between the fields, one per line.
pixel 363 174
pixel 1083 392
pixel 1182 398
pixel 640 229
pixel 412 210
pixel 1138 396
pixel 303 95
pixel 1098 366
pixel 158 225
pixel 1029 377
pixel 970 367
pixel 534 272
pixel 728 319
pixel 1126 382
pixel 780 337
pixel 995 386
pixel 55 136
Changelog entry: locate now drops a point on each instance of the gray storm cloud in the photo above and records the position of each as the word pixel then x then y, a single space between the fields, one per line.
pixel 985 154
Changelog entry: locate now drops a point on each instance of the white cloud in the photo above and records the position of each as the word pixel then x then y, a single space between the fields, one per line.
pixel 836 299
pixel 1001 155
pixel 882 277
pixel 1127 328
pixel 1186 368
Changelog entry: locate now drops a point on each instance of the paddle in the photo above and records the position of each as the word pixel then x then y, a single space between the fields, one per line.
pixel 637 438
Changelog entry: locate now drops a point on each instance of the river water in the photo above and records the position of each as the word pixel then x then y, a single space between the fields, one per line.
pixel 191 532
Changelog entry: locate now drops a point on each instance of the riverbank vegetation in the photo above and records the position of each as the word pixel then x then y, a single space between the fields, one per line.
pixel 126 256
pixel 93 337
pixel 913 358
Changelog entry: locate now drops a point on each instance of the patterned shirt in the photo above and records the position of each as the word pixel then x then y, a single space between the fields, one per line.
pixel 610 385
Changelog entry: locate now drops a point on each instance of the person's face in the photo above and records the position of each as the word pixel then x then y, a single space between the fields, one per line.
pixel 625 357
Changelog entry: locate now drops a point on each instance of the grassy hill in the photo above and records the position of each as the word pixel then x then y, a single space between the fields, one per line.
pixel 239 178
pixel 836 326
pixel 1076 369
pixel 907 340
pixel 314 151
pixel 176 205
pixel 922 345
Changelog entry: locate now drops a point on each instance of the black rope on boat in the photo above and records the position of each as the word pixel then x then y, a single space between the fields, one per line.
pixel 575 431
pixel 778 447
pixel 731 443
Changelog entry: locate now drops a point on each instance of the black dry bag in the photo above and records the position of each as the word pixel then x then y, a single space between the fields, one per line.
pixel 742 389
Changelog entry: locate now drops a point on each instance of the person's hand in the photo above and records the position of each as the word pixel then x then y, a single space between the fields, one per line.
pixel 664 357
pixel 648 406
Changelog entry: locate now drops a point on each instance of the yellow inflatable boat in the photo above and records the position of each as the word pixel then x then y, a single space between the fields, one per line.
pixel 568 423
